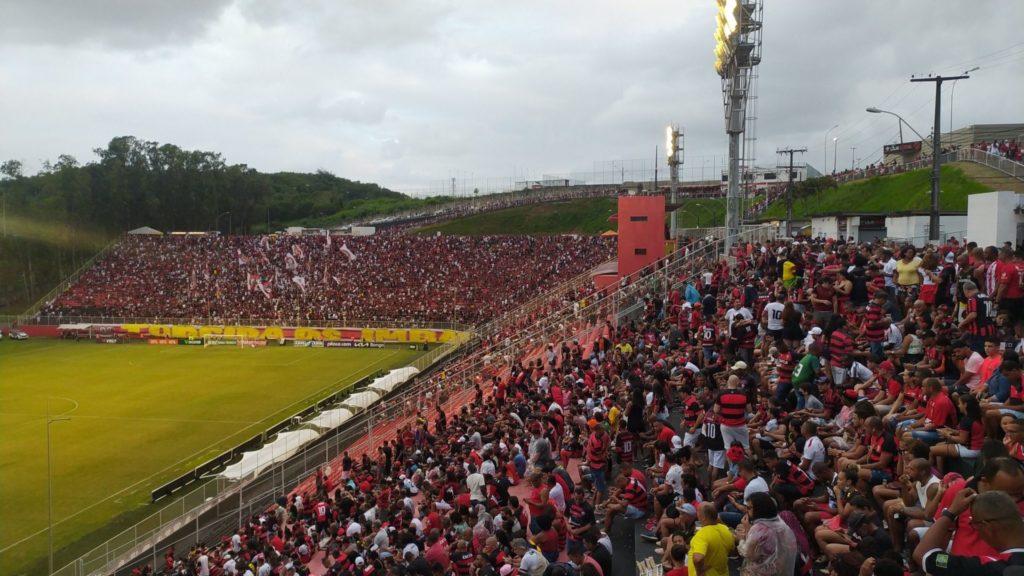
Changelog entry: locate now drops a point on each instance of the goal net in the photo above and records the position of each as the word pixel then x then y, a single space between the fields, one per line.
pixel 231 340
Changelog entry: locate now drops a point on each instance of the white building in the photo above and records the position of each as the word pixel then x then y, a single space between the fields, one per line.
pixel 995 217
pixel 911 227
pixel 760 178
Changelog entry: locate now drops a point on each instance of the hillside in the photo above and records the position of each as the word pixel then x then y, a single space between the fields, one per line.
pixel 56 219
pixel 885 194
pixel 573 217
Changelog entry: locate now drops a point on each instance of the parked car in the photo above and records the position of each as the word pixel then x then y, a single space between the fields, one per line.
pixel 16 334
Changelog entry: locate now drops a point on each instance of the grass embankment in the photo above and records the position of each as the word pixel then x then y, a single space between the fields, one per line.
pixel 910 191
pixel 140 416
pixel 572 217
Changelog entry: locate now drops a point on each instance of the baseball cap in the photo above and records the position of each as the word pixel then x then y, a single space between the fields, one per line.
pixel 741 365
pixel 888 366
pixel 815 331
pixel 505 570
pixel 688 509
pixel 411 549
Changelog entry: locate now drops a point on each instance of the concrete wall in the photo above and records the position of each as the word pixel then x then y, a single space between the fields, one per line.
pixel 915 228
pixel 825 226
pixel 641 232
pixel 991 219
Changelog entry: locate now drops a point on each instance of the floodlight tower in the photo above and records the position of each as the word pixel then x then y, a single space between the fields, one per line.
pixel 737 53
pixel 674 153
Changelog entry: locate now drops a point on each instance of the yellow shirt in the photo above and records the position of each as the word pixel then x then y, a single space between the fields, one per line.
pixel 906 274
pixel 788 270
pixel 715 542
pixel 613 416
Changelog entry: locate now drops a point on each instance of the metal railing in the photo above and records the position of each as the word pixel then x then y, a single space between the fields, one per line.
pixel 255 322
pixel 217 499
pixel 450 386
pixel 1001 163
pixel 67 282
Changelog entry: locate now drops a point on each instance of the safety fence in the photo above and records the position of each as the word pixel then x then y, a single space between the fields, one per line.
pixel 217 503
pixel 449 386
pixel 1001 163
pixel 67 282
pixel 43 320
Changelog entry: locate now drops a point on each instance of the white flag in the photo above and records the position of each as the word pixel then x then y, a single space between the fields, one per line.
pixel 348 253
pixel 301 282
pixel 327 233
pixel 297 251
pixel 251 280
pixel 265 242
pixel 263 288
pixel 289 262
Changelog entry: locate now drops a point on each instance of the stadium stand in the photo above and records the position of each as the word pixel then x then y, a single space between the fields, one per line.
pixel 829 376
pixel 388 276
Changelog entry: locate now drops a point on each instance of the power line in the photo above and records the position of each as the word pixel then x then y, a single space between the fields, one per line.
pixel 789 188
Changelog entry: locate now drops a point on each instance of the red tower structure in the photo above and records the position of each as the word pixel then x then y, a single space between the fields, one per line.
pixel 641 237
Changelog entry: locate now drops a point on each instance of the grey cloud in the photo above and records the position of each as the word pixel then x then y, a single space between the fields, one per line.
pixel 119 24
pixel 353 25
pixel 404 92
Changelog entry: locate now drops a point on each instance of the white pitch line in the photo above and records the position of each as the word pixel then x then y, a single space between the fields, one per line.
pixel 150 477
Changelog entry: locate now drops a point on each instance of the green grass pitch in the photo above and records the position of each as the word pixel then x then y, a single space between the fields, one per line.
pixel 139 416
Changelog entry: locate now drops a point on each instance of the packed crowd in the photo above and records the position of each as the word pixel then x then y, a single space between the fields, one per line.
pixel 800 408
pixel 1009 149
pixel 389 276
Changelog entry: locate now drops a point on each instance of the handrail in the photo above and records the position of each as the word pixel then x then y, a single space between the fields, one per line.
pixel 66 283
pixel 1009 167
pixel 565 321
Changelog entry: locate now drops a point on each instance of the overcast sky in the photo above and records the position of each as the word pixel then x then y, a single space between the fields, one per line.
pixel 411 93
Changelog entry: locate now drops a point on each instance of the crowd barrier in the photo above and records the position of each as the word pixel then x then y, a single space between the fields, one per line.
pixel 450 386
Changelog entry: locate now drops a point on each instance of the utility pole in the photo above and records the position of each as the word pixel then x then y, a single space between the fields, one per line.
pixel 789 188
pixel 933 216
pixel 853 152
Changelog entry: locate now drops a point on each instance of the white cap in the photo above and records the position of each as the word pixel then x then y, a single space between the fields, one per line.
pixel 815 331
pixel 411 549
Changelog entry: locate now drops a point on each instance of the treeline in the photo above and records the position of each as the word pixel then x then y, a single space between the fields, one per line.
pixel 56 219
pixel 134 183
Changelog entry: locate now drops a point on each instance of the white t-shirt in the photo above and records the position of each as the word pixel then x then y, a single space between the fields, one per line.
pixel 354 529
pixel 674 477
pixel 475 482
pixel 773 310
pixel 814 451
pixel 557 496
pixel 487 468
pixel 973 365
pixel 757 484
pixel 733 314
pixel 888 269
pixel 204 565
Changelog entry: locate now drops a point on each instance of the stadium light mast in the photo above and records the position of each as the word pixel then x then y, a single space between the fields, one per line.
pixel 737 53
pixel 674 153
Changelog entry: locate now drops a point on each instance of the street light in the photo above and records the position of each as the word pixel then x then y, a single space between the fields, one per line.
pixel 49 485
pixel 824 165
pixel 874 110
pixel 951 89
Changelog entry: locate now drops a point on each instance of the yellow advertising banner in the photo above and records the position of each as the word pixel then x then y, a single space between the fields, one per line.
pixel 188 331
